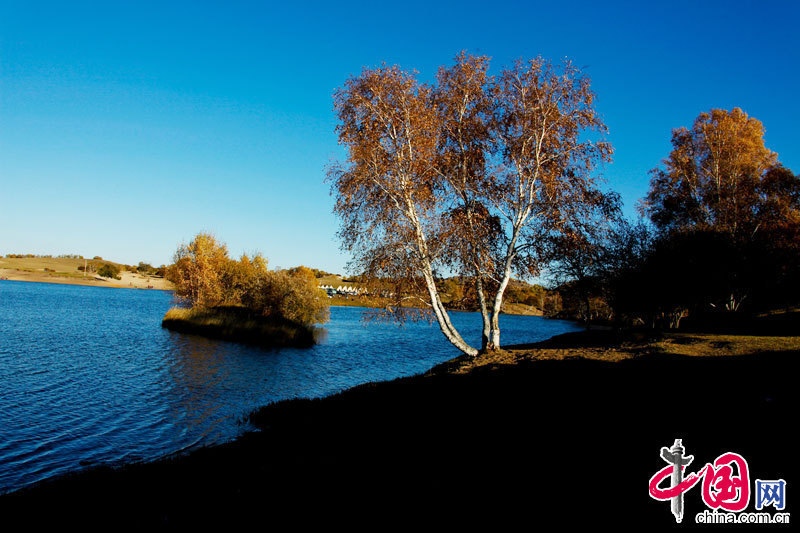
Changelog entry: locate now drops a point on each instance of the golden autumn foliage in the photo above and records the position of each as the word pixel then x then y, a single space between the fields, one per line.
pixel 197 269
pixel 206 277
pixel 718 176
pixel 471 175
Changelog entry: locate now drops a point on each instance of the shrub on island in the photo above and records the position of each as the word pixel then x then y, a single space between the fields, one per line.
pixel 242 299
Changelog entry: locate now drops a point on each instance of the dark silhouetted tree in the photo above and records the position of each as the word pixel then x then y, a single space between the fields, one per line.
pixel 721 182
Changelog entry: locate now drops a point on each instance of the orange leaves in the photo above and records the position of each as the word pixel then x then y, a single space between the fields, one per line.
pixel 512 143
pixel 712 178
pixel 196 270
pixel 204 275
pixel 466 175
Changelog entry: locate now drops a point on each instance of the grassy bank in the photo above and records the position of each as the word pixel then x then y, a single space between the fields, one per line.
pixel 559 435
pixel 613 346
pixel 65 271
pixel 238 324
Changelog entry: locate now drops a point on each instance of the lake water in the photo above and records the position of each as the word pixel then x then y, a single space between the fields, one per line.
pixel 88 376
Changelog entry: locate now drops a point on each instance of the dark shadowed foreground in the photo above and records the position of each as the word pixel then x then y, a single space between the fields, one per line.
pixel 527 441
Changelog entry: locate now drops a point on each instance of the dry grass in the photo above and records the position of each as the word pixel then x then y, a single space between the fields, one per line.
pixel 606 346
pixel 708 344
pixel 521 309
pixel 40 263
pixel 335 281
pixel 238 324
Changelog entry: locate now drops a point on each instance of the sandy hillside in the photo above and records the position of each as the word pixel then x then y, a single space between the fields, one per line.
pixel 62 270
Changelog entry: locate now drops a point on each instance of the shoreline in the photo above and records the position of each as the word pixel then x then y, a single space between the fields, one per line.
pixel 469 429
pixel 7 274
pixel 237 324
pixel 510 308
pixel 128 281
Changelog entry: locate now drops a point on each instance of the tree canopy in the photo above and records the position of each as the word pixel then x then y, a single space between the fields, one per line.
pixel 206 276
pixel 474 175
pixel 719 175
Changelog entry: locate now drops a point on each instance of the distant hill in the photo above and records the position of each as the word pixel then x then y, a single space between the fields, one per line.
pixel 24 267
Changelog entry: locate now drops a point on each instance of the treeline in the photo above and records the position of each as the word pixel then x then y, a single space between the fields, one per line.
pixel 43 256
pixel 98 265
pixel 494 176
pixel 459 293
pixel 206 277
pixel 113 270
pixel 319 273
pixel 147 269
pixel 719 244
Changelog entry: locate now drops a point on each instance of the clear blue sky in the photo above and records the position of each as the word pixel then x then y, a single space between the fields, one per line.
pixel 127 127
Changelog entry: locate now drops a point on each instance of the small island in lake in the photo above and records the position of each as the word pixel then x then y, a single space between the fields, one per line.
pixel 242 300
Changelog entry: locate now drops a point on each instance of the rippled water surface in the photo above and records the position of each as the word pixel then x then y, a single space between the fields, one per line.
pixel 88 376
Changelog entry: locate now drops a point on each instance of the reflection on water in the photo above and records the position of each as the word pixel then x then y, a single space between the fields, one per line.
pixel 87 374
